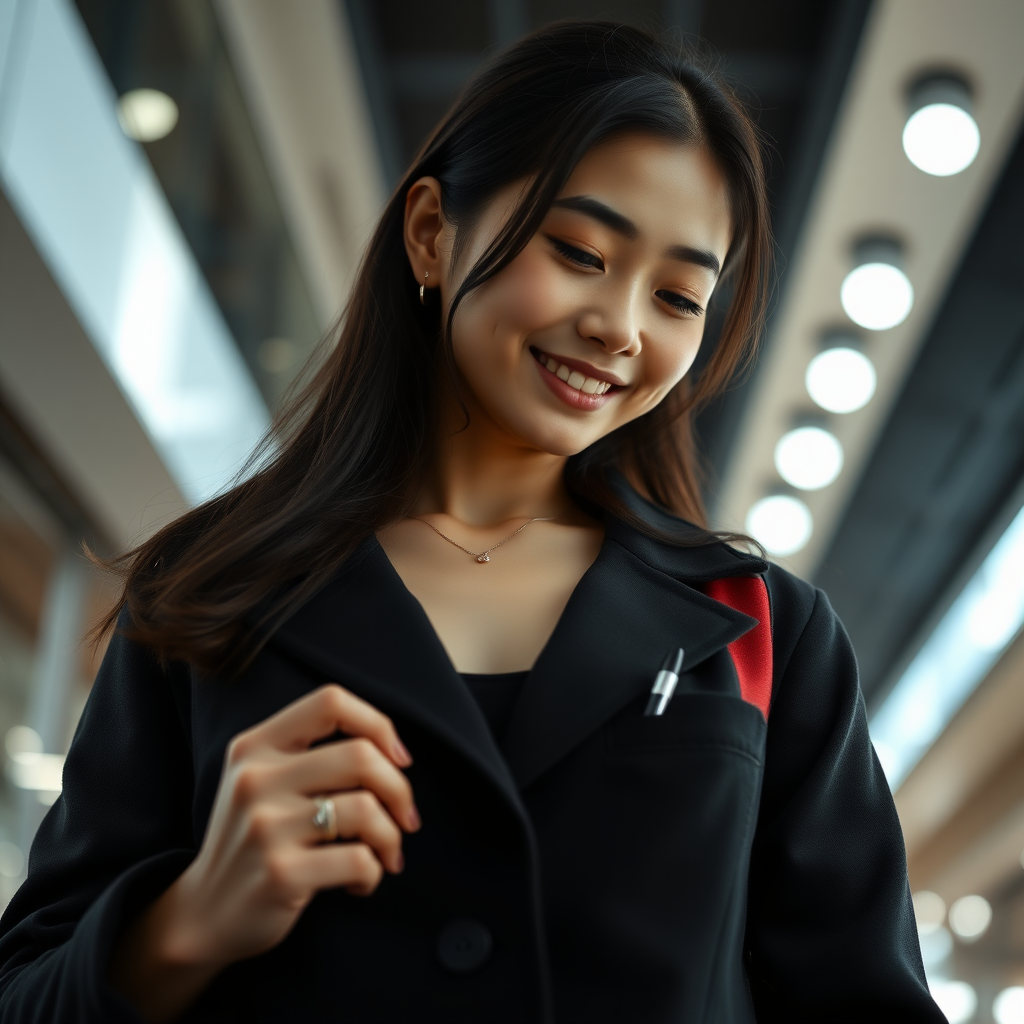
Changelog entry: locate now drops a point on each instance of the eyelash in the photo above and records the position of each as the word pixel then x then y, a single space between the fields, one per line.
pixel 582 258
pixel 681 302
pixel 578 256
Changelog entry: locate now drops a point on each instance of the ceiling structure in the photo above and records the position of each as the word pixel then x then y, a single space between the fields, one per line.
pixel 947 463
pixel 884 575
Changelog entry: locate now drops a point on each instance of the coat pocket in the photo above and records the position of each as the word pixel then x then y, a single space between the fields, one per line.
pixel 693 722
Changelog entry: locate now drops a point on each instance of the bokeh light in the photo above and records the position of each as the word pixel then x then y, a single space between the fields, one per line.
pixel 956 999
pixel 809 458
pixel 930 911
pixel 877 296
pixel 147 115
pixel 1008 1006
pixel 969 917
pixel 841 379
pixel 941 136
pixel 780 522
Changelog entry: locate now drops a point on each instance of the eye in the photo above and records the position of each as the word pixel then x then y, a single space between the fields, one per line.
pixel 681 303
pixel 580 257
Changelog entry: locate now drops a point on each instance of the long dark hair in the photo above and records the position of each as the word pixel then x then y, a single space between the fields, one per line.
pixel 347 452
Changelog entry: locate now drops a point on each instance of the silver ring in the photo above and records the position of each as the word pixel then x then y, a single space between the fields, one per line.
pixel 326 817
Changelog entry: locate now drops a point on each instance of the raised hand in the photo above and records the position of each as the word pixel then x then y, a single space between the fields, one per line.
pixel 264 857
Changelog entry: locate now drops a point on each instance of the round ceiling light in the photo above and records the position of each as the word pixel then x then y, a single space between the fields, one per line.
pixel 930 911
pixel 780 522
pixel 941 136
pixel 841 378
pixel 957 999
pixel 1008 1006
pixel 876 294
pixel 970 916
pixel 809 458
pixel 147 114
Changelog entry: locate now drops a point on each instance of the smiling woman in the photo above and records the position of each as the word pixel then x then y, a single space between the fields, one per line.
pixel 478 528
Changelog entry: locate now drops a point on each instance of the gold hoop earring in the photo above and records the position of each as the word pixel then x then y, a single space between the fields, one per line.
pixel 423 288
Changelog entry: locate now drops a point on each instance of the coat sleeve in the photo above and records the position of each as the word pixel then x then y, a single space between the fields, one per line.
pixel 830 930
pixel 116 838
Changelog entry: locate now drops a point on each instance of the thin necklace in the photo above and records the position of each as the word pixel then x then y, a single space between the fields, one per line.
pixel 485 556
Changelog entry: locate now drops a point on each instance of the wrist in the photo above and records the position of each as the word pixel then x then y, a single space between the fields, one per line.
pixel 163 961
pixel 179 934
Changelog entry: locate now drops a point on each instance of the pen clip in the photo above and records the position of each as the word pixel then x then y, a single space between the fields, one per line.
pixel 665 683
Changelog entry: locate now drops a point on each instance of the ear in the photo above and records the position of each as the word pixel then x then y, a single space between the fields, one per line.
pixel 424 227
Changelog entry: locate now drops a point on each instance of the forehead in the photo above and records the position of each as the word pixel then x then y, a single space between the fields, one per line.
pixel 674 192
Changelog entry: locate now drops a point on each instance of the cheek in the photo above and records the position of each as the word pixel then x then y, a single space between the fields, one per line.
pixel 527 296
pixel 670 356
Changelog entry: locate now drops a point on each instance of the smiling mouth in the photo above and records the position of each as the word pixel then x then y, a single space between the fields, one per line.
pixel 573 378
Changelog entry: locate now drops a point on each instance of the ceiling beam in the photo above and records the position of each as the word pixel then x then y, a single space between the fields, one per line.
pixel 298 69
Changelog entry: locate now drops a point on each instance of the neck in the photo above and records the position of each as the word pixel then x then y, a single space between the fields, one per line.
pixel 483 476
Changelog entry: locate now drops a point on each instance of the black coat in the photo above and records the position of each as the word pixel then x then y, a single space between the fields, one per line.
pixel 599 867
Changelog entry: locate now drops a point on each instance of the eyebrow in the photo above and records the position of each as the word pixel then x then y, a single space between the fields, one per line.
pixel 591 207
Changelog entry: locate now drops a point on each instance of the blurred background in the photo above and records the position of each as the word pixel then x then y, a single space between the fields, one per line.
pixel 185 190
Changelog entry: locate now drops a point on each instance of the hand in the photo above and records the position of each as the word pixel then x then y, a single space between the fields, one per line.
pixel 263 859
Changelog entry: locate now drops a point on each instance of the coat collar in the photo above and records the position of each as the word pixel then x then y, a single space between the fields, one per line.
pixel 366 631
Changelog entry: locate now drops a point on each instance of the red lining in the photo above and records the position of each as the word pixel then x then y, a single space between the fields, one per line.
pixel 752 652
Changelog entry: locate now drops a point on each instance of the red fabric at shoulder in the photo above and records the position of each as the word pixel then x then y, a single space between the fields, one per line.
pixel 752 652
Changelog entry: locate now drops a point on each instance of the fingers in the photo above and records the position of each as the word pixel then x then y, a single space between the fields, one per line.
pixel 360 816
pixel 351 866
pixel 349 765
pixel 327 710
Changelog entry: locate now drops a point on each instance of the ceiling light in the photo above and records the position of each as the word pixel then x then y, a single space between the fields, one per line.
pixel 841 378
pixel 941 136
pixel 780 522
pixel 970 916
pixel 12 860
pixel 956 999
pixel 1008 1006
pixel 147 114
pixel 929 911
pixel 809 458
pixel 876 294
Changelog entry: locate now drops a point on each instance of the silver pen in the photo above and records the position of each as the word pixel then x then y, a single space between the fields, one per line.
pixel 665 683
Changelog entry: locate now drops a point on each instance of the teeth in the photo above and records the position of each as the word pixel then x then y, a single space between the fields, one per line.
pixel 575 379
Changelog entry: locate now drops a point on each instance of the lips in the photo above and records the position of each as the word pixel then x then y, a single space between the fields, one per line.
pixel 579 384
pixel 575 374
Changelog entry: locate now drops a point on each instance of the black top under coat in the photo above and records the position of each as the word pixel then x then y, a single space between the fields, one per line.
pixel 496 693
pixel 594 866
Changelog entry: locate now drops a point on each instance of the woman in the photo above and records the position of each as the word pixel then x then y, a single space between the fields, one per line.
pixel 490 477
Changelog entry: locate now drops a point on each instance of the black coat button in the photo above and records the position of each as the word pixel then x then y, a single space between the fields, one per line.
pixel 463 946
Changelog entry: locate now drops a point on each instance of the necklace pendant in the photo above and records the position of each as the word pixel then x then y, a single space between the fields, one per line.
pixel 483 558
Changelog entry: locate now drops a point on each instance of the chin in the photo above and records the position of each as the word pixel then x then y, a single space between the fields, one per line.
pixel 557 440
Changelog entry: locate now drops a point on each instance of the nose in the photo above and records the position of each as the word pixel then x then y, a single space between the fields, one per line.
pixel 614 321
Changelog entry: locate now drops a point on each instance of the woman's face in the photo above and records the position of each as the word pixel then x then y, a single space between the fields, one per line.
pixel 602 313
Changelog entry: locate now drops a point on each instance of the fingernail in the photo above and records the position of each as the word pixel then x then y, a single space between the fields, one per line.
pixel 402 755
pixel 414 819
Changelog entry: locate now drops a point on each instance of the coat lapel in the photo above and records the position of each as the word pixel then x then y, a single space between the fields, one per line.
pixel 365 631
pixel 607 648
